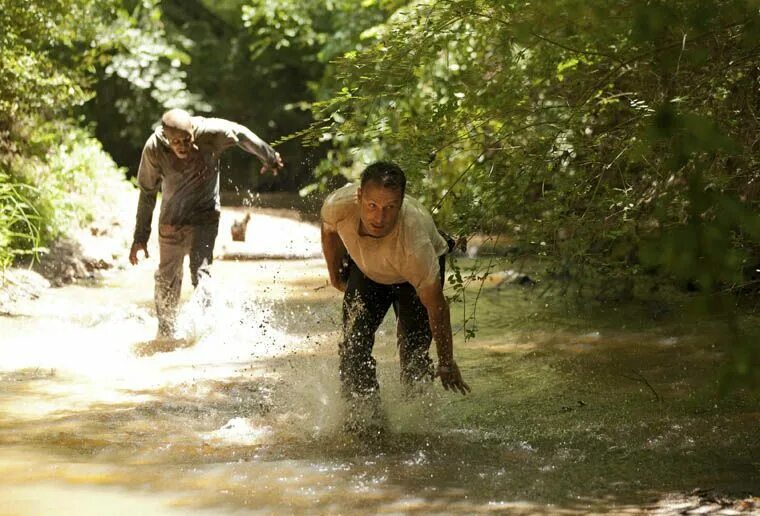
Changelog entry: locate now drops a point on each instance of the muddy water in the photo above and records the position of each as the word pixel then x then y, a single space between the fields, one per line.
pixel 572 411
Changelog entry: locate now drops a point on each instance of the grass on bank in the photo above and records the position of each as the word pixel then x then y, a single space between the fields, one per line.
pixel 55 180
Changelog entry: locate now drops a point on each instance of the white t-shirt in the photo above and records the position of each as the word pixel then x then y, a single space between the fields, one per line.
pixel 409 253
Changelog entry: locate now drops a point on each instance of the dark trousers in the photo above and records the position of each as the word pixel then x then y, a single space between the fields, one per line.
pixel 365 304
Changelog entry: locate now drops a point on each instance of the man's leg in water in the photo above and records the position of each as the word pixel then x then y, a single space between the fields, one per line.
pixel 202 251
pixel 364 306
pixel 414 336
pixel 174 243
pixel 413 332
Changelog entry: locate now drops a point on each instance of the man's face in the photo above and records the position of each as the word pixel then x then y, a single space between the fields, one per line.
pixel 379 208
pixel 180 142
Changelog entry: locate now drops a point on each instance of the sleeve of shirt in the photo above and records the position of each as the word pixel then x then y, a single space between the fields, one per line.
pixel 227 133
pixel 149 181
pixel 334 209
pixel 149 171
pixel 328 216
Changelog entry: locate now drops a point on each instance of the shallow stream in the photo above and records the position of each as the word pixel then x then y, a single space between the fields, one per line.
pixel 572 411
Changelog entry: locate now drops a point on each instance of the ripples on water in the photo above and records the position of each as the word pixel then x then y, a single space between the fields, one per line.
pixel 245 413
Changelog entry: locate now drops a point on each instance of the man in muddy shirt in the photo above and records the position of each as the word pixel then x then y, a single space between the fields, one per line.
pixel 181 158
pixel 382 248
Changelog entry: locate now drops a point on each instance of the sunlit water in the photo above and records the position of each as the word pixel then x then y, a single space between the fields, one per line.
pixel 244 413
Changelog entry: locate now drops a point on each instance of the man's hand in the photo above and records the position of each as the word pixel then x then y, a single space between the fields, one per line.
pixel 440 326
pixel 275 166
pixel 137 246
pixel 451 378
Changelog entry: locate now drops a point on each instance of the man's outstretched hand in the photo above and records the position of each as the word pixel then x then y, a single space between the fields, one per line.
pixel 451 378
pixel 274 166
pixel 137 246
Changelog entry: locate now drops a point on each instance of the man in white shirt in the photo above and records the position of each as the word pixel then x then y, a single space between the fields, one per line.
pixel 383 249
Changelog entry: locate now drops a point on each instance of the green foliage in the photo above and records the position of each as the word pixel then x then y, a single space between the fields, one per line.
pixel 19 222
pixel 559 120
pixel 47 55
pixel 45 51
pixel 140 72
pixel 262 63
pixel 80 180
pixel 61 58
pixel 612 137
pixel 322 30
pixel 61 181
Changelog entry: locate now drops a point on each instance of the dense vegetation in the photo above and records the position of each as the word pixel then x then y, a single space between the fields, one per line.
pixel 54 174
pixel 614 137
pixel 617 140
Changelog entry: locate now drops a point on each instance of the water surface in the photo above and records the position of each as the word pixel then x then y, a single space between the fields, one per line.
pixel 572 410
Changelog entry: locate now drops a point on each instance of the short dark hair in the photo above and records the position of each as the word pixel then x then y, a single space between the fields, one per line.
pixel 386 174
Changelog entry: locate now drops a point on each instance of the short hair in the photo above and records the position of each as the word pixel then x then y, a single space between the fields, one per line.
pixel 178 119
pixel 386 174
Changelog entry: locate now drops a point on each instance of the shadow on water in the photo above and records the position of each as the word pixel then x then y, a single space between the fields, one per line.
pixel 568 414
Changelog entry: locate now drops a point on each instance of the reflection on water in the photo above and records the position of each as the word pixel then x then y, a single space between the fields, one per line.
pixel 244 412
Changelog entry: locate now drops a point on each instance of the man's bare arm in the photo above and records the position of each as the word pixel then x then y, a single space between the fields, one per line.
pixel 334 251
pixel 440 326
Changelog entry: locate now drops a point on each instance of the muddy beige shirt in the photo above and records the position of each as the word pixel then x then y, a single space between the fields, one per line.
pixel 409 253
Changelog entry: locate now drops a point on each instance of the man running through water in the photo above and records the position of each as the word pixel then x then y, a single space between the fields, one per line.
pixel 181 158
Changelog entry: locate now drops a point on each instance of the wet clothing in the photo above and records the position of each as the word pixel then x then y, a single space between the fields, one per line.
pixel 189 187
pixel 365 304
pixel 174 243
pixel 380 273
pixel 409 254
pixel 189 216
